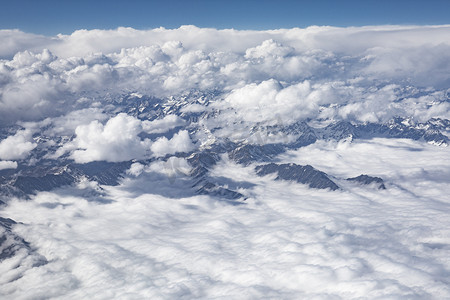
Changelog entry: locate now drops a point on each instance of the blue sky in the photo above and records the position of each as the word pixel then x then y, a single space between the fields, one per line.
pixel 52 16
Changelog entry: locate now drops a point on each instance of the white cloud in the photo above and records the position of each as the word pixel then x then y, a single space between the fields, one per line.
pixel 17 146
pixel 37 83
pixel 286 241
pixel 162 125
pixel 180 142
pixel 83 42
pixel 350 159
pixel 193 108
pixel 136 169
pixel 15 41
pixel 7 164
pixel 115 141
pixel 172 167
pixel 270 102
pixel 268 48
pixel 156 240
pixel 66 124
pixel 118 139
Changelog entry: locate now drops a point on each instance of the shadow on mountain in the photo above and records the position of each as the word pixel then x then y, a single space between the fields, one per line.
pixel 301 174
pixel 369 180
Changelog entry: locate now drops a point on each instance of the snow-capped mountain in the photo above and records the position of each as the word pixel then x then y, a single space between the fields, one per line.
pixel 42 171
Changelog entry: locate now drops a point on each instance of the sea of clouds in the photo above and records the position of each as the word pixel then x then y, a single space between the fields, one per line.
pixel 153 237
pixel 361 69
pixel 154 240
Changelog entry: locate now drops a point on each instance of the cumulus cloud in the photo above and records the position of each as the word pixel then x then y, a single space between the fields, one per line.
pixel 115 141
pixel 180 142
pixel 136 169
pixel 162 125
pixel 170 169
pixel 17 146
pixel 267 100
pixel 36 83
pixel 66 124
pixel 8 164
pixel 119 138
pixel 29 88
pixel 16 41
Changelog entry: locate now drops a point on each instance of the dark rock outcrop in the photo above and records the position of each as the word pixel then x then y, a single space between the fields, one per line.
pixel 10 243
pixel 212 189
pixel 201 162
pixel 429 131
pixel 365 179
pixel 31 179
pixel 249 153
pixel 45 179
pixel 107 173
pixel 302 174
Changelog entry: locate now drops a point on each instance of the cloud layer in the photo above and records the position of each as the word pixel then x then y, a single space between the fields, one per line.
pixel 48 76
pixel 144 96
pixel 286 241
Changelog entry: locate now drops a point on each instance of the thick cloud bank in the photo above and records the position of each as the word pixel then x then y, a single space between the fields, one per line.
pixel 287 241
pixel 128 163
pixel 357 69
